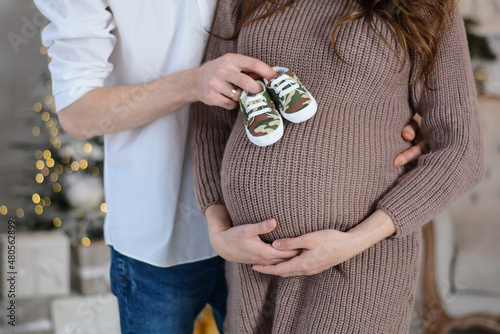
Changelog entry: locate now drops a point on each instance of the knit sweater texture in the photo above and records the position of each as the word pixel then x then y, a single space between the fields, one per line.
pixel 334 170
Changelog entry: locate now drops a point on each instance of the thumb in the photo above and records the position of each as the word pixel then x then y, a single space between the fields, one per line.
pixel 290 243
pixel 262 227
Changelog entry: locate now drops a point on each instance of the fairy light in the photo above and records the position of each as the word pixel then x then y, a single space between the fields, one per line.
pixel 3 210
pixel 75 166
pixel 87 148
pixel 35 131
pixel 104 207
pixel 45 116
pixel 79 213
pixel 50 165
pixel 85 241
pixel 48 100
pixel 35 198
pixel 84 164
pixel 20 213
pixel 39 178
pixel 40 164
pixel 54 177
pixel 43 50
pixel 55 142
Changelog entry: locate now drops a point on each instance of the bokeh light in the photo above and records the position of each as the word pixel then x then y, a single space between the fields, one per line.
pixel 35 198
pixel 20 213
pixel 86 241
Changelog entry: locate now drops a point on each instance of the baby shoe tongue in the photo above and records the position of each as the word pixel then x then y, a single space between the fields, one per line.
pixel 289 73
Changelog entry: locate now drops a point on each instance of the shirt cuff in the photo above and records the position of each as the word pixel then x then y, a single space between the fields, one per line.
pixel 69 92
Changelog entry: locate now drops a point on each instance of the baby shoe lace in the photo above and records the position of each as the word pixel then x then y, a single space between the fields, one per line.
pixel 256 109
pixel 281 82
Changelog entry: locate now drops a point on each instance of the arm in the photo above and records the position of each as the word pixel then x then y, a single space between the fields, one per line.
pixel 451 126
pixel 212 127
pixel 242 243
pixel 111 109
pixel 454 164
pixel 322 250
pixel 80 41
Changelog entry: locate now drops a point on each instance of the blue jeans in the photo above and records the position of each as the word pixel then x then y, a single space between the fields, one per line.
pixel 166 300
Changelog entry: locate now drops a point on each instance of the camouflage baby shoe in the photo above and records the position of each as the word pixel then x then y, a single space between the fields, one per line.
pixel 295 103
pixel 263 123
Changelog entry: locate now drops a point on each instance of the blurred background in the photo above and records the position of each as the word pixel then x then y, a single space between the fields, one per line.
pixel 51 193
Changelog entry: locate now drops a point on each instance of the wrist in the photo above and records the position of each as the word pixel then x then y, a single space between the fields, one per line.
pixel 189 87
pixel 178 89
pixel 218 219
pixel 373 229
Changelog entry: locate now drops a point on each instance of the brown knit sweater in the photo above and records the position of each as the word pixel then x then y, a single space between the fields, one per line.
pixel 335 169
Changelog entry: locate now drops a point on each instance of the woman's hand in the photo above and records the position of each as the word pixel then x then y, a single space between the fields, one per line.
pixel 319 251
pixel 242 243
pixel 322 250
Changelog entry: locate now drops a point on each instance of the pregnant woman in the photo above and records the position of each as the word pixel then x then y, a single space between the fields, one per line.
pixel 343 235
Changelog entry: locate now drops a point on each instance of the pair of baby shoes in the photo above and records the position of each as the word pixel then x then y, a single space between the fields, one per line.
pixel 263 122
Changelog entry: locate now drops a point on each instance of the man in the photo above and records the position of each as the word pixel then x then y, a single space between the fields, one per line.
pixel 128 71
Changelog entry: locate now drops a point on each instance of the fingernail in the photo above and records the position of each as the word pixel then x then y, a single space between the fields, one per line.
pixel 277 244
pixel 398 162
pixel 270 223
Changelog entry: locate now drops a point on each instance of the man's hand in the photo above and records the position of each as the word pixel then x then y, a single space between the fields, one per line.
pixel 111 109
pixel 412 133
pixel 242 243
pixel 215 79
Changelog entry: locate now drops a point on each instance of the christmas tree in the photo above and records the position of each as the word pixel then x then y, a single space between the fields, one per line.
pixel 66 190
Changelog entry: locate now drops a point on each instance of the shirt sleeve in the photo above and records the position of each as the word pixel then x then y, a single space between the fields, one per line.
pixel 79 42
pixel 213 125
pixel 452 128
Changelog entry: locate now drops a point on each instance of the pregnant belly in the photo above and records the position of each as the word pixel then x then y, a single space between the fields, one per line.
pixel 306 187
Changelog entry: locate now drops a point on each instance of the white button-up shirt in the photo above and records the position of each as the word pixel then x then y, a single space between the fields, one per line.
pixel 152 213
